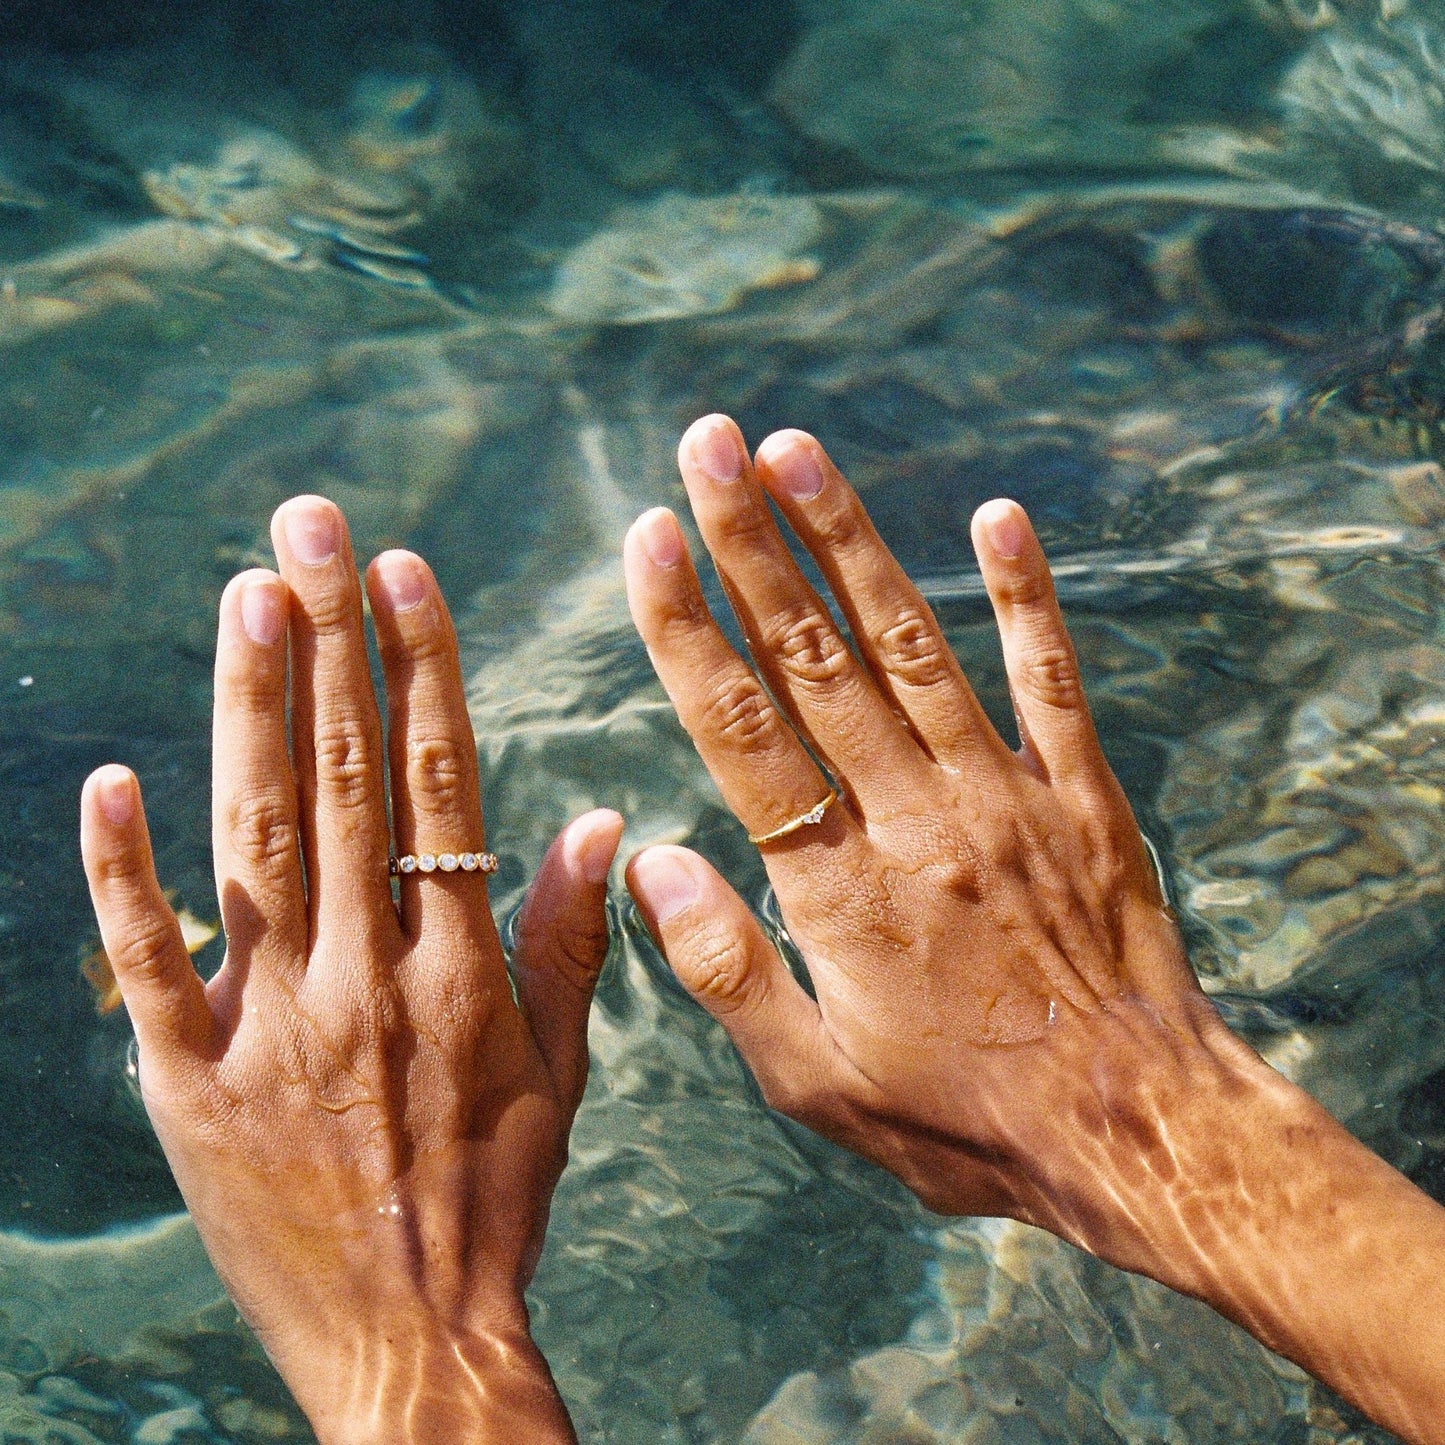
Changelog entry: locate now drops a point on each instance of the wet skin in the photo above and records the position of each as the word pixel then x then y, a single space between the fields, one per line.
pixel 368 1131
pixel 1005 1015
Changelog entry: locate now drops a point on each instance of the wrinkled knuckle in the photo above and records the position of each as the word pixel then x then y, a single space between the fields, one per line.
pixel 253 689
pixel 439 771
pixel 739 712
pixel 1022 589
pixel 146 955
pixel 841 528
pixel 429 647
pixel 581 951
pixel 719 975
pixel 1051 676
pixel 263 829
pixel 744 525
pixel 808 648
pixel 344 762
pixel 912 651
pixel 123 867
pixel 333 610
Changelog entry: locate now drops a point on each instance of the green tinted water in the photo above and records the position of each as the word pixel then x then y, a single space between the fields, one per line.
pixel 1168 274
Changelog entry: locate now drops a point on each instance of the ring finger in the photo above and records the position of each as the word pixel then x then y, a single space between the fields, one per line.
pixel 435 791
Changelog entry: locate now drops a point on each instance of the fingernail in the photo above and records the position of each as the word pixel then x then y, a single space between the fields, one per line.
pixel 115 792
pixel 312 533
pixel 592 849
pixel 263 612
pixel 1007 534
pixel 661 537
pixel 797 471
pixel 715 450
pixel 665 880
pixel 403 579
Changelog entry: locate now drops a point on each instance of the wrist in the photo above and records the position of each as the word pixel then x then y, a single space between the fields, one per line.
pixel 434 1386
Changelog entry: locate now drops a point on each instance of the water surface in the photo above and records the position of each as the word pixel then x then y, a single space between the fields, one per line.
pixel 1169 275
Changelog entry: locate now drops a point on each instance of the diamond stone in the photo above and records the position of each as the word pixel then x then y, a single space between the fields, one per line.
pixel 469 862
pixel 406 864
pixel 815 815
pixel 427 863
pixel 447 862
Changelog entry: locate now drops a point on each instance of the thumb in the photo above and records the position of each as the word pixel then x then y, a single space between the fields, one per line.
pixel 723 958
pixel 163 993
pixel 561 942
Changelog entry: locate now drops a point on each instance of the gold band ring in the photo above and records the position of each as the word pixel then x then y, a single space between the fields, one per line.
pixel 803 820
pixel 410 863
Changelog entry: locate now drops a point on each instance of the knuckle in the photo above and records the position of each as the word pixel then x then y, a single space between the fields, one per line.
pixel 262 827
pixel 581 950
pixel 344 761
pixel 1050 675
pixel 807 647
pixel 739 712
pixel 911 650
pixel 719 975
pixel 333 610
pixel 148 950
pixel 439 771
pixel 1023 588
pixel 125 867
pixel 841 528
pixel 746 524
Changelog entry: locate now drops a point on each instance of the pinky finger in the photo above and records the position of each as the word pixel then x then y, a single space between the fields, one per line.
pixel 163 993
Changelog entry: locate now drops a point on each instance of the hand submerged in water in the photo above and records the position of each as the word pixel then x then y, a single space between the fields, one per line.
pixel 367 1129
pixel 1005 1015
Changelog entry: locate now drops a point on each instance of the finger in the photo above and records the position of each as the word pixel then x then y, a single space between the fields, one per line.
pixel 163 993
pixel 763 772
pixel 797 646
pixel 253 820
pixel 893 627
pixel 435 791
pixel 723 958
pixel 561 945
pixel 335 727
pixel 1055 728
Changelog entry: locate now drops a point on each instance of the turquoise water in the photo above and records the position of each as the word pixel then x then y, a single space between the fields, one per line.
pixel 1171 275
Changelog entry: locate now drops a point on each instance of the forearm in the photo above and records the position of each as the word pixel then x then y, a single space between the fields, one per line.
pixel 1258 1202
pixel 1337 1261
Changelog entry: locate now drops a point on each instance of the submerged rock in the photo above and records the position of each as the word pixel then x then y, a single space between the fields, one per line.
pixel 687 256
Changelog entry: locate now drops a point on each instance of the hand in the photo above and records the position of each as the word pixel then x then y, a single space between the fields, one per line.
pixel 1005 1015
pixel 367 1129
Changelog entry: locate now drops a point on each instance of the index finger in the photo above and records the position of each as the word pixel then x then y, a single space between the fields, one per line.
pixel 756 759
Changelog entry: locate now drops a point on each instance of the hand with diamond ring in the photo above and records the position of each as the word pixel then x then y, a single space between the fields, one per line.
pixel 366 1126
pixel 1005 1016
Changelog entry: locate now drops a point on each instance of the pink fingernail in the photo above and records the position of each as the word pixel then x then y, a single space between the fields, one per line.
pixel 715 450
pixel 1007 534
pixel 263 611
pixel 663 878
pixel 312 533
pixel 403 579
pixel 115 792
pixel 797 470
pixel 661 537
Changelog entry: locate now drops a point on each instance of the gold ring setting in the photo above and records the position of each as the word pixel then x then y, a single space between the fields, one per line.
pixel 411 863
pixel 813 816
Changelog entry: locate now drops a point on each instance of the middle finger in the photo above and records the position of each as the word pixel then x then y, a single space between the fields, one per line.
pixel 335 726
pixel 798 647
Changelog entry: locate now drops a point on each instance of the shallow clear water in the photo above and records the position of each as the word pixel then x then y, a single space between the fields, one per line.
pixel 1168 274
